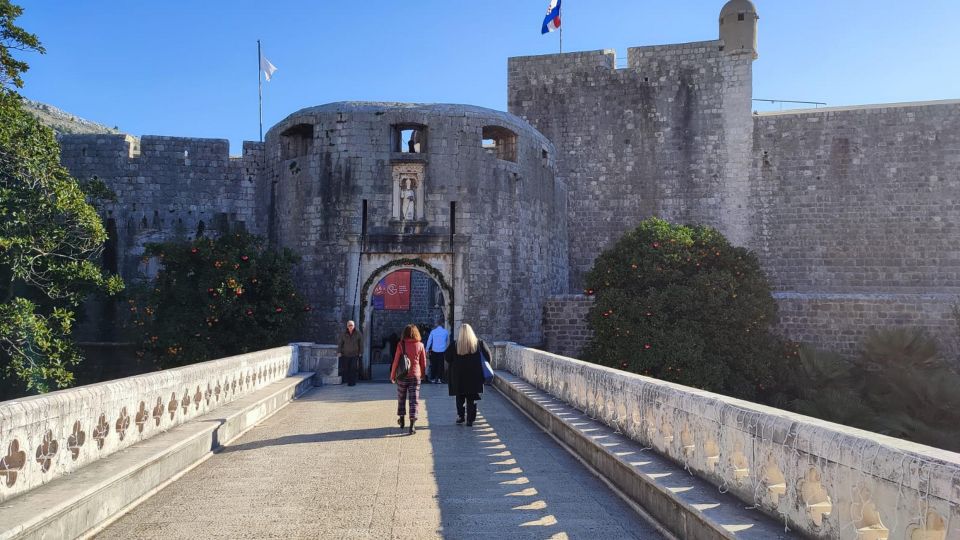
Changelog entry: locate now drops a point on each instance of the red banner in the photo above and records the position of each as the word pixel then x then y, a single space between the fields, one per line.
pixel 396 291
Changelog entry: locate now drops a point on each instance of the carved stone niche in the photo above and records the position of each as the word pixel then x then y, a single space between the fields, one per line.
pixel 408 193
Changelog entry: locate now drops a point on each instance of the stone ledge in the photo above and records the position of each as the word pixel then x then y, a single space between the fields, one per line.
pixel 685 505
pixel 73 505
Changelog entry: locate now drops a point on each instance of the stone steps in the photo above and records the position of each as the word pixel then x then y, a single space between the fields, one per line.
pixel 683 504
pixel 80 503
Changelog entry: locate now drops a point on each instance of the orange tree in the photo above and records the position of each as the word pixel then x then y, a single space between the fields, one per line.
pixel 681 304
pixel 215 298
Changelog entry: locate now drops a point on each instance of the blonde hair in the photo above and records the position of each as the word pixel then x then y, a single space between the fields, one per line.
pixel 466 340
pixel 411 332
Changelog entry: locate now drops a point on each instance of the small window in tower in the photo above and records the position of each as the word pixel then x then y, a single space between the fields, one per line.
pixel 501 142
pixel 296 141
pixel 740 16
pixel 721 21
pixel 410 139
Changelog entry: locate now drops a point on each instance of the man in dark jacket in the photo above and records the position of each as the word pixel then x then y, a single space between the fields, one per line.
pixel 349 351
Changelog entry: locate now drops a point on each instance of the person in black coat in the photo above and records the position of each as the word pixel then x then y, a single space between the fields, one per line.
pixel 465 372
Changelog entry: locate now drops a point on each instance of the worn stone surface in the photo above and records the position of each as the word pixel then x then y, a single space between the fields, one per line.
pixel 669 136
pixel 75 504
pixel 334 465
pixel 509 232
pixel 565 326
pixel 840 201
pixel 48 436
pixel 825 480
pixel 685 505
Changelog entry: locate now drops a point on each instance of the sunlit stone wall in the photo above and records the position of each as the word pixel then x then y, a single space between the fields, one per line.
pixel 823 479
pixel 47 436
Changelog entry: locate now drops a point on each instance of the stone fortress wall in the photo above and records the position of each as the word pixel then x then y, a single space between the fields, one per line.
pixel 505 250
pixel 856 219
pixel 165 188
pixel 655 139
pixel 327 183
pixel 852 211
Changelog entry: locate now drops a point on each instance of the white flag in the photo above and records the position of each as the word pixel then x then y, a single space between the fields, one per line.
pixel 267 67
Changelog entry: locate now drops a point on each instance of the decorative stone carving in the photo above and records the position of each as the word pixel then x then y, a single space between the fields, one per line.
pixel 815 497
pixel 101 431
pixel 408 191
pixel 47 451
pixel 158 411
pixel 143 415
pixel 408 199
pixel 76 440
pixel 123 423
pixel 12 463
pixel 172 407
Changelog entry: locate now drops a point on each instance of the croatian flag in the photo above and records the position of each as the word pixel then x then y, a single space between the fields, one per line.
pixel 552 21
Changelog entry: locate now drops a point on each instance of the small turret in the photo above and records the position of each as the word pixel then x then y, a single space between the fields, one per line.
pixel 738 27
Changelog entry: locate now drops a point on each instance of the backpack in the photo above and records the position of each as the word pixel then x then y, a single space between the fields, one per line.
pixel 403 366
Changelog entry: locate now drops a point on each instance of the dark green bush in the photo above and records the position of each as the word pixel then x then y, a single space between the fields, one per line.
pixel 898 386
pixel 681 304
pixel 216 298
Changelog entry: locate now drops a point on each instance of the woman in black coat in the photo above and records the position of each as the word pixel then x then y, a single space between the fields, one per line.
pixel 465 372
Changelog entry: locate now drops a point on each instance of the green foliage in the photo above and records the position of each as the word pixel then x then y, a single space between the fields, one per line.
pixel 50 242
pixel 820 384
pixel 216 298
pixel 12 37
pixel 899 386
pixel 681 304
pixel 911 386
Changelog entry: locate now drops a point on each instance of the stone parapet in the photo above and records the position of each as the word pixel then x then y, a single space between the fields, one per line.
pixel 823 480
pixel 321 360
pixel 45 437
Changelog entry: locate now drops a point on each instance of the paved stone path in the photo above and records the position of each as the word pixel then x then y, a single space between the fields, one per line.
pixel 333 464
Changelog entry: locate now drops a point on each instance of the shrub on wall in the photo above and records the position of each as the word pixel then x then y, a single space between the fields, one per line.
pixel 216 298
pixel 681 304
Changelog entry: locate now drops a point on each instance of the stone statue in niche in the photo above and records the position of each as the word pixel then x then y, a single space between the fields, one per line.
pixel 408 196
pixel 408 199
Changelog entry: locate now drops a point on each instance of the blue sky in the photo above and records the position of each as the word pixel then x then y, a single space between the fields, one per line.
pixel 187 68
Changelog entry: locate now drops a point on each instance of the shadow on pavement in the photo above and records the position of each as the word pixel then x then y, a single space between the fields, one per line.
pixel 505 478
pixel 313 438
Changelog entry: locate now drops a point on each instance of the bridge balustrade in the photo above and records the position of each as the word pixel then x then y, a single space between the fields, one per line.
pixel 822 479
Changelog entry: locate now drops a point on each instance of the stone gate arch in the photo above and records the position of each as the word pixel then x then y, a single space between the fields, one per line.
pixel 438 267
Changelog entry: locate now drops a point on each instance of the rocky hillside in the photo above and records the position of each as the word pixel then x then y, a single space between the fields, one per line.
pixel 64 122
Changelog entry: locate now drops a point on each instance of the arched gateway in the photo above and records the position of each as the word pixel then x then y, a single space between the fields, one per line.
pixel 385 306
pixel 466 195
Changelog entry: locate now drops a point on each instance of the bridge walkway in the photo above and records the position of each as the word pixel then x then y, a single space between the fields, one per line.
pixel 333 464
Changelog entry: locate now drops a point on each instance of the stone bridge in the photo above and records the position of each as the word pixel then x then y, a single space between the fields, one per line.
pixel 266 445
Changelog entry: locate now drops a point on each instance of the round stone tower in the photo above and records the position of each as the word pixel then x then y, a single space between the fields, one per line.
pixel 738 27
pixel 467 195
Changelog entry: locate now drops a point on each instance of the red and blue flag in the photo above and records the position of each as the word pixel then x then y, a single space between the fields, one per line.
pixel 552 21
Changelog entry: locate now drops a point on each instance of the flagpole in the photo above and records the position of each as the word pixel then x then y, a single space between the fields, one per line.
pixel 260 89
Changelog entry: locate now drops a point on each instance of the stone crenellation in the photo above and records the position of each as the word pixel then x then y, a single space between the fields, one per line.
pixel 165 188
pixel 510 209
pixel 668 136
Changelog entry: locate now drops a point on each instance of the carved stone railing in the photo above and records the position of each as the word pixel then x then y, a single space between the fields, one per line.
pixel 822 479
pixel 44 437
